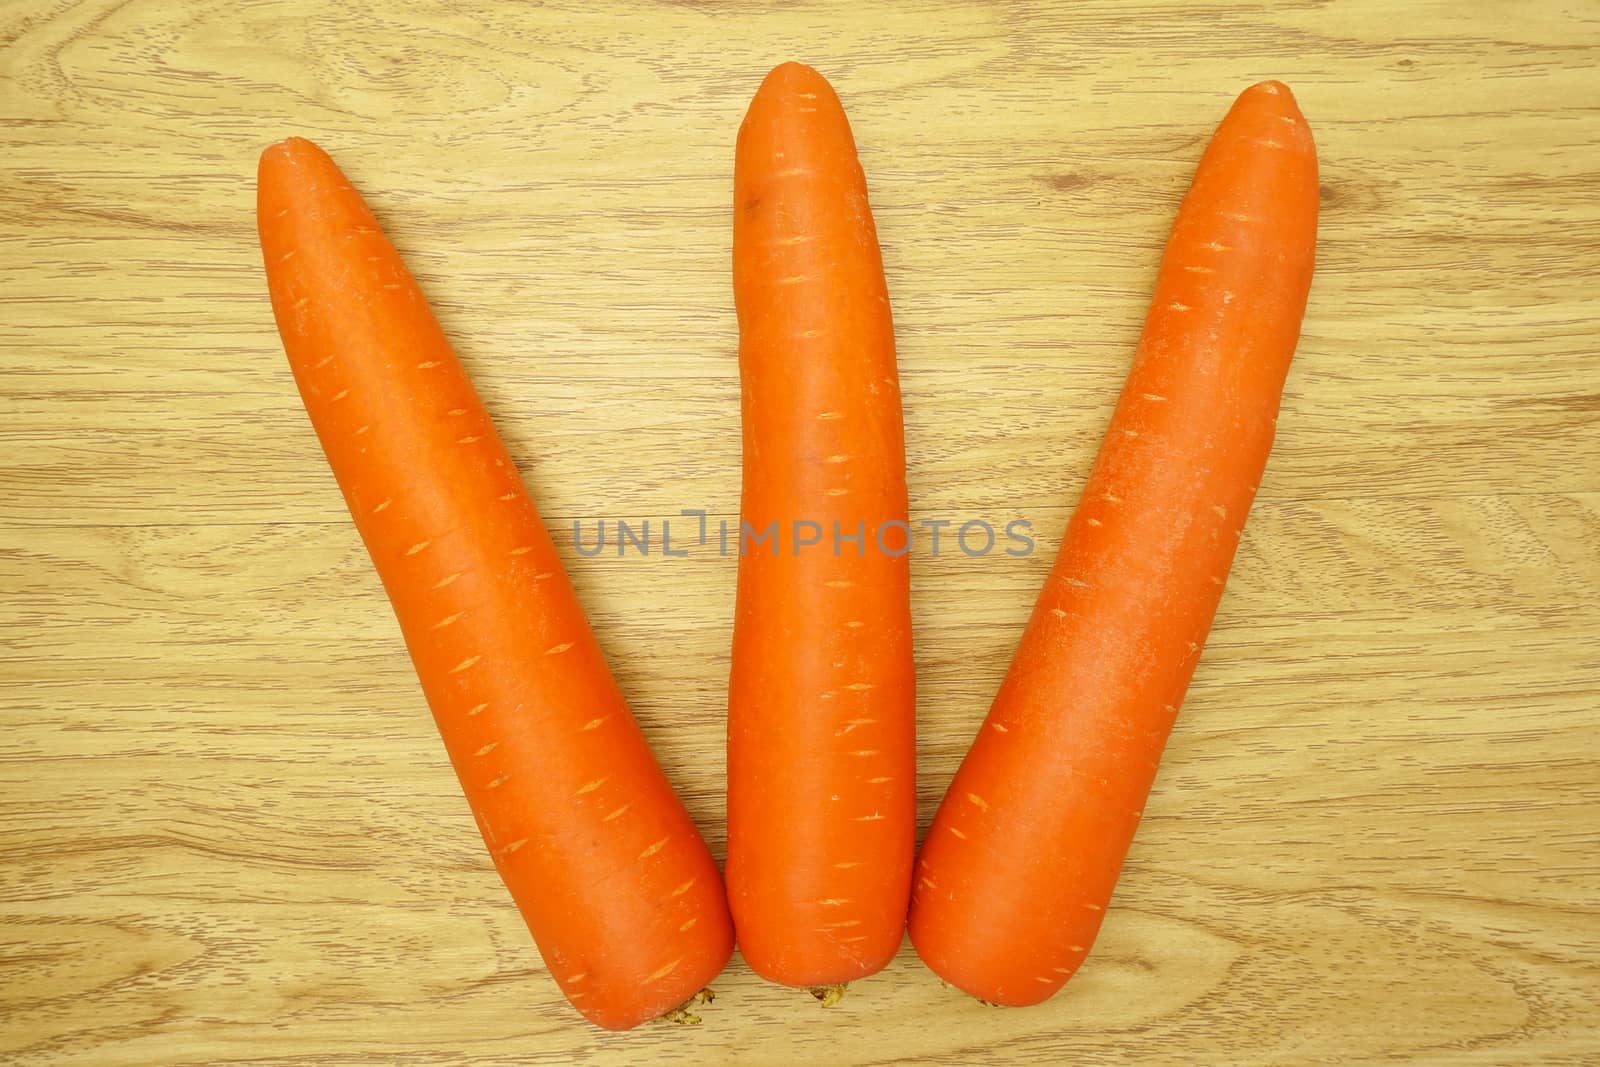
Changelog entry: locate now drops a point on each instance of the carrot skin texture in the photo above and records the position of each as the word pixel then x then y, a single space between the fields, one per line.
pixel 821 708
pixel 614 881
pixel 1019 864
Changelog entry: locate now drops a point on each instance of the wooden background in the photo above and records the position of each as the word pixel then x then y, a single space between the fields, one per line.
pixel 228 832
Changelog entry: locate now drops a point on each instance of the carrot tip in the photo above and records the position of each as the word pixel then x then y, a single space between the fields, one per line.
pixel 792 67
pixel 1274 88
pixel 289 146
pixel 791 76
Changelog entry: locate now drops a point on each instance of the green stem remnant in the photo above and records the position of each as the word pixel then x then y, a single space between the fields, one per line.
pixel 682 1016
pixel 829 995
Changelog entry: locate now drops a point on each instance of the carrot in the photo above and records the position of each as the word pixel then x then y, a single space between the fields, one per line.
pixel 1019 864
pixel 821 705
pixel 609 873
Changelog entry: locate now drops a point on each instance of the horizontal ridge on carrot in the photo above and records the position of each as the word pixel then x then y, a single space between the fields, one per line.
pixel 821 701
pixel 1017 869
pixel 612 878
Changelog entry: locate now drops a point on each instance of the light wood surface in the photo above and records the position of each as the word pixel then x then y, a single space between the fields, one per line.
pixel 228 832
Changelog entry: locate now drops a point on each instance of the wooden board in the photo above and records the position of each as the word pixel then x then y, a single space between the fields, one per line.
pixel 228 832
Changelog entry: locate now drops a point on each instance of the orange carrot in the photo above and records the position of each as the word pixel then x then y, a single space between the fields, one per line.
pixel 1019 864
pixel 614 881
pixel 821 705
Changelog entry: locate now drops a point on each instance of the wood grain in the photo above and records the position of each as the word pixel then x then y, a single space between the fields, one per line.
pixel 228 833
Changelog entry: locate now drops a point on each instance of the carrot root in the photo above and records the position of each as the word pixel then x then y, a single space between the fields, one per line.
pixel 604 864
pixel 821 693
pixel 1017 869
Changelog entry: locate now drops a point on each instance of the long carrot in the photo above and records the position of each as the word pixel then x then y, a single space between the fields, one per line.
pixel 1019 864
pixel 614 881
pixel 821 707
